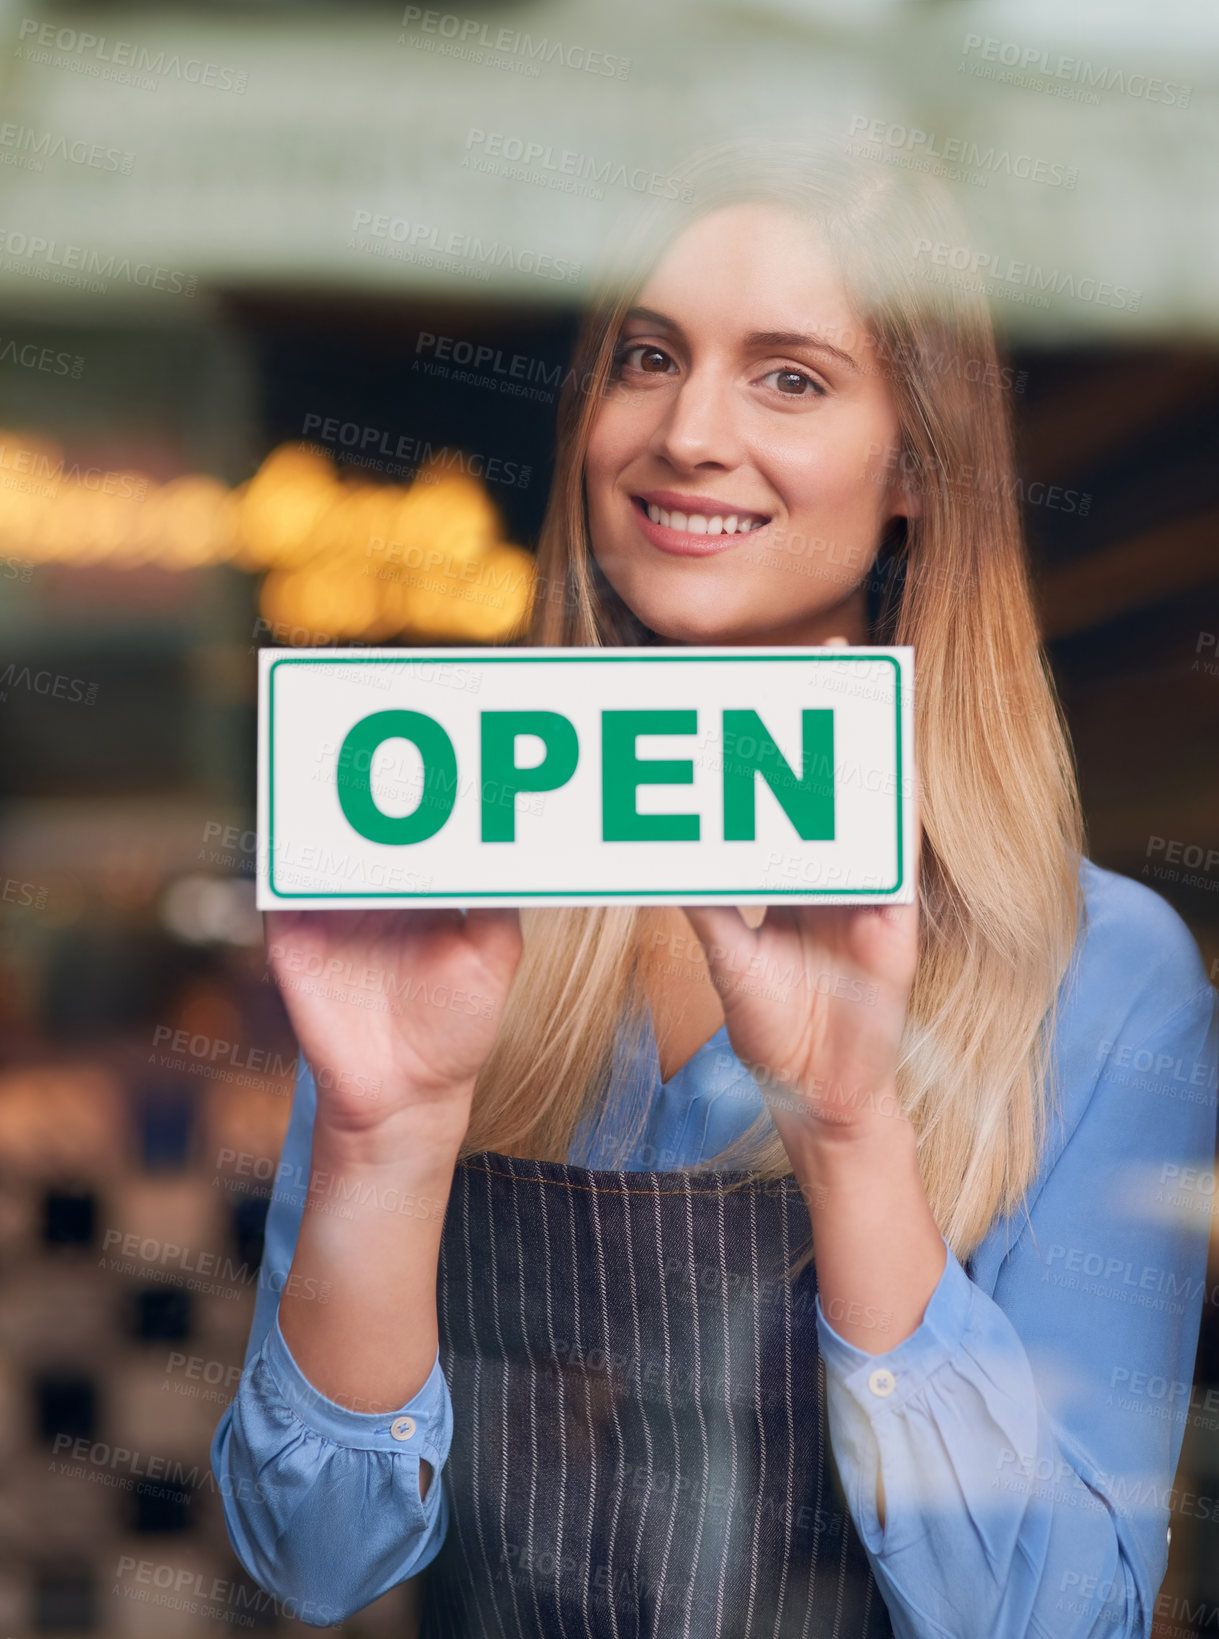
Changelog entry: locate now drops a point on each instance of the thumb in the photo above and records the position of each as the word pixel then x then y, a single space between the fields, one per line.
pixel 728 943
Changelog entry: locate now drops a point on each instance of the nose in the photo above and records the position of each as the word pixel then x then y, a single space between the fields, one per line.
pixel 699 427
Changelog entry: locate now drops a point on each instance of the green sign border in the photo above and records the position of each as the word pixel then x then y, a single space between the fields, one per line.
pixel 566 660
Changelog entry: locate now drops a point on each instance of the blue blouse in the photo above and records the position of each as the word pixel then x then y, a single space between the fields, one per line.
pixel 1027 1432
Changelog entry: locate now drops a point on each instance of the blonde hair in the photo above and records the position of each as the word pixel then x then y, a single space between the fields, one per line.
pixel 999 899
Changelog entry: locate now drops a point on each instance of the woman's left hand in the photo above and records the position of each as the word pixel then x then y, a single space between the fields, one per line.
pixel 815 1000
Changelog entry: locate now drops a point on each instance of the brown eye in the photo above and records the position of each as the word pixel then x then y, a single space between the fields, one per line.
pixel 792 384
pixel 653 361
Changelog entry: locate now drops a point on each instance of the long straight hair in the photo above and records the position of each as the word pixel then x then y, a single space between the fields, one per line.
pixel 1000 905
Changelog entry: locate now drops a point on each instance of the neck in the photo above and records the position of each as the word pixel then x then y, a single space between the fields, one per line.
pixel 847 619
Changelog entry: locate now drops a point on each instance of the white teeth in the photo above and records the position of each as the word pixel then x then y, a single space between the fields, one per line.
pixel 700 523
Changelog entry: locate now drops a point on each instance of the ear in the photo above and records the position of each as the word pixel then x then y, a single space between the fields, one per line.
pixel 907 498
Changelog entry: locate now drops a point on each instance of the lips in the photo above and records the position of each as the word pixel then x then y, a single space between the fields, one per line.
pixel 704 539
pixel 697 515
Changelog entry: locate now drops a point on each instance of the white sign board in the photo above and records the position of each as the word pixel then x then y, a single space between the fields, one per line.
pixel 570 776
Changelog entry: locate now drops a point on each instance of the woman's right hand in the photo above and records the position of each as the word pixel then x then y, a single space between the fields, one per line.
pixel 395 1010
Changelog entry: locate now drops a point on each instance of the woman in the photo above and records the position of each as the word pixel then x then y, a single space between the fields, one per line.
pixel 537 1329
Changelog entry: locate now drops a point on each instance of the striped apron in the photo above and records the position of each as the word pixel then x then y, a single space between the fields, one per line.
pixel 640 1448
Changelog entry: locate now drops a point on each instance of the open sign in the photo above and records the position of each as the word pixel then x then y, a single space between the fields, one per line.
pixel 572 776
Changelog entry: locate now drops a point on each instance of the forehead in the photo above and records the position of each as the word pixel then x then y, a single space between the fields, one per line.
pixel 750 266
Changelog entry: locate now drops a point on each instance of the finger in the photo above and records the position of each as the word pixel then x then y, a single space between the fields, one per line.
pixel 423 917
pixel 309 929
pixel 723 932
pixel 280 921
pixel 716 922
pixel 490 926
pixel 282 926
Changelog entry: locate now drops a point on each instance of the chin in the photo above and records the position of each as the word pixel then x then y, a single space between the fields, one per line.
pixel 674 619
pixel 672 629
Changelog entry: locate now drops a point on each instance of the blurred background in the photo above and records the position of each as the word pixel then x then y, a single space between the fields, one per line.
pixel 286 295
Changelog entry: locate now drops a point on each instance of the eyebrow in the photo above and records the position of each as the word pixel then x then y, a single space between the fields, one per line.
pixel 781 339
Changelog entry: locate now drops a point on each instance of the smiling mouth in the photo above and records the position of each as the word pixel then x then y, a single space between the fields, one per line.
pixel 701 523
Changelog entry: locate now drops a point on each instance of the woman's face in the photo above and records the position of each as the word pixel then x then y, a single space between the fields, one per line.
pixel 742 403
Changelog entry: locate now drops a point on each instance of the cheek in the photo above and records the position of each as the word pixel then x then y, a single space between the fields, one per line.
pixel 598 458
pixel 830 483
pixel 612 443
pixel 839 472
pixel 625 423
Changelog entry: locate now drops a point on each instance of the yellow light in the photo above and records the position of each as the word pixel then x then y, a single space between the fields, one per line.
pixel 343 557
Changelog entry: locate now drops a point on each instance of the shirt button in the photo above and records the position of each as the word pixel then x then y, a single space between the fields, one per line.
pixel 402 1428
pixel 882 1382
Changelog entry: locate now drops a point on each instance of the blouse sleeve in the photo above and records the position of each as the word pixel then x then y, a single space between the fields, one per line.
pixel 1022 1439
pixel 322 1504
